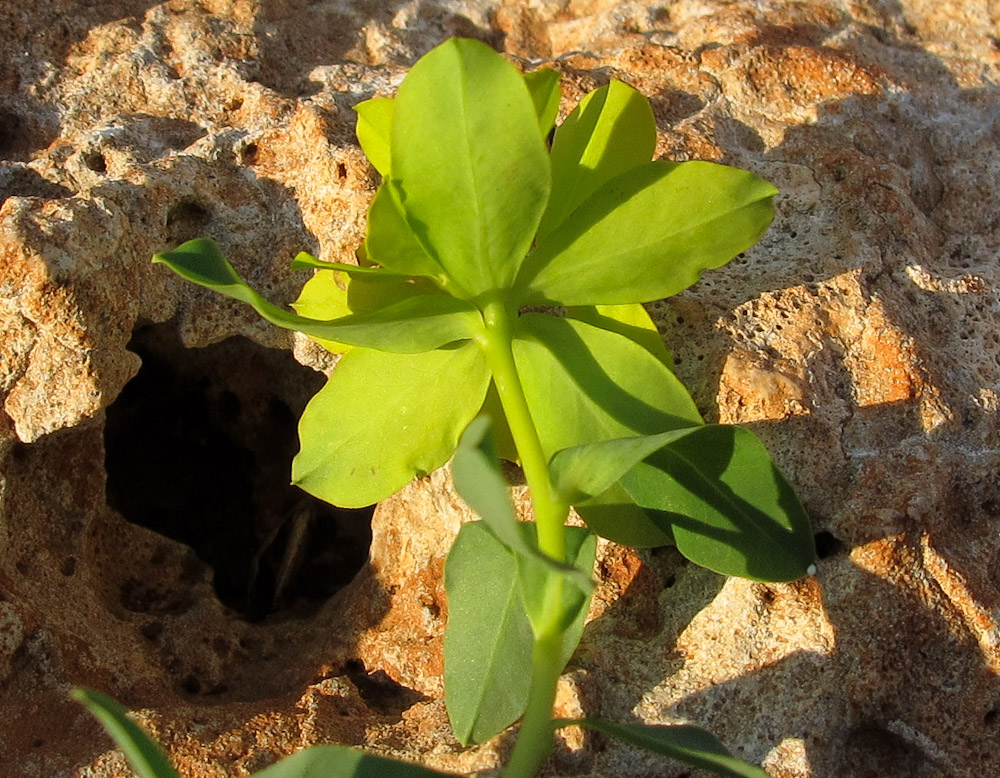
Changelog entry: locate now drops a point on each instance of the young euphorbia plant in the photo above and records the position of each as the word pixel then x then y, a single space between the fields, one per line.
pixel 503 277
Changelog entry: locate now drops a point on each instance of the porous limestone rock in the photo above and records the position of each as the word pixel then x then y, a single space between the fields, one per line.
pixel 860 339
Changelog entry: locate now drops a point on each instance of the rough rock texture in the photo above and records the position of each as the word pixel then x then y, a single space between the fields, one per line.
pixel 860 339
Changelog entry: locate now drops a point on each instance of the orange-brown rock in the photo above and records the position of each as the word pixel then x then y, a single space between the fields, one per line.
pixel 147 539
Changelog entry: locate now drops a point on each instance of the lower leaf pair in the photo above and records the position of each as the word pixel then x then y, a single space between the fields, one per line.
pixel 688 744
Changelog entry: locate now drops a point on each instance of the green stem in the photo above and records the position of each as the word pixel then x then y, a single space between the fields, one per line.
pixel 534 740
pixel 550 511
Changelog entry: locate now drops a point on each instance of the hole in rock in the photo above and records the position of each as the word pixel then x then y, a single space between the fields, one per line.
pixel 95 161
pixel 198 447
pixel 379 690
pixel 187 221
pixel 828 545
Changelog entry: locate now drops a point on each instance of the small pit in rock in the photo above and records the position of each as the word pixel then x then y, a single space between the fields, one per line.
pixel 198 447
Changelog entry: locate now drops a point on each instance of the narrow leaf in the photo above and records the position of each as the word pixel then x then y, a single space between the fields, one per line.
pixel 343 762
pixel 685 743
pixel 411 326
pixel 730 509
pixel 479 480
pixel 383 419
pixel 612 130
pixel 374 130
pixel 582 472
pixel 375 274
pixel 469 163
pixel 142 753
pixel 680 219
pixel 543 85
pixel 534 576
pixel 503 438
pixel 476 473
pixel 488 639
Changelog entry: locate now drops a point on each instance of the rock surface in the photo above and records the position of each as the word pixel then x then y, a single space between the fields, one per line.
pixel 860 340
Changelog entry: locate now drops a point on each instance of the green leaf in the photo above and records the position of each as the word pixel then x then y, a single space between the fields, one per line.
pixel 587 476
pixel 543 85
pixel 631 320
pixel 142 753
pixel 391 242
pixel 685 743
pixel 730 509
pixel 534 575
pixel 410 326
pixel 615 516
pixel 584 384
pixel 679 219
pixel 305 260
pixel 469 162
pixel 343 762
pixel 479 480
pixel 476 473
pixel 612 130
pixel 374 130
pixel 488 639
pixel 383 419
pixel 582 472
pixel 503 438
pixel 324 296
pixel 348 289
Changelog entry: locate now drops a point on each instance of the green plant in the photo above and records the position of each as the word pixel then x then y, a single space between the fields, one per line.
pixel 502 278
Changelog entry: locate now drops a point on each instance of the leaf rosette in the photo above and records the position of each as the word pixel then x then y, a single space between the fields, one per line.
pixel 503 275
pixel 476 207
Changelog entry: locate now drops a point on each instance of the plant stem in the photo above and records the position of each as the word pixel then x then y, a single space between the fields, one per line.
pixel 550 511
pixel 534 740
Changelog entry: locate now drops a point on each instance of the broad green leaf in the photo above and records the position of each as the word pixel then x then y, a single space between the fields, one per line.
pixel 631 320
pixel 488 640
pixel 585 384
pixel 683 742
pixel 582 472
pixel 391 242
pixel 143 754
pixel 615 516
pixel 374 130
pixel 648 234
pixel 587 476
pixel 612 130
pixel 544 88
pixel 410 326
pixel 534 577
pixel 324 297
pixel 730 509
pixel 479 480
pixel 469 163
pixel 343 762
pixel 383 419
